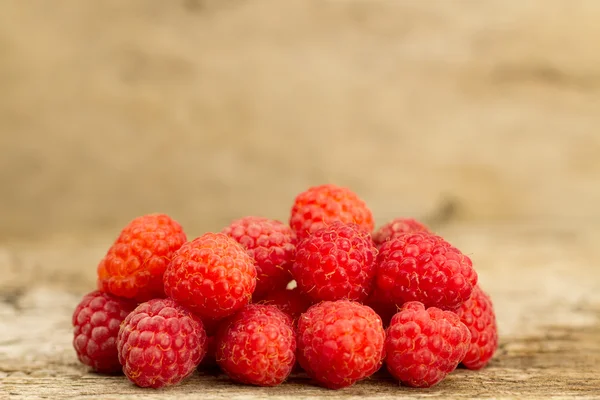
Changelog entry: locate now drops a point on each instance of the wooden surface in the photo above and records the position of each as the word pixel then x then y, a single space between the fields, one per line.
pixel 544 281
pixel 480 117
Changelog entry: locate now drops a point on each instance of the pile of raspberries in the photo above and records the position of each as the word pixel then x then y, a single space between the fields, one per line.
pixel 326 295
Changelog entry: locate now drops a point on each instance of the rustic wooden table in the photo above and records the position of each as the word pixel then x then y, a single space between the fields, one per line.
pixel 544 280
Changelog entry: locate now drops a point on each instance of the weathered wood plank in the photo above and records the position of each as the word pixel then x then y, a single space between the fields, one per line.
pixel 544 281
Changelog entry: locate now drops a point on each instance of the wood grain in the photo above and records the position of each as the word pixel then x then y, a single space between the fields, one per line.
pixel 543 279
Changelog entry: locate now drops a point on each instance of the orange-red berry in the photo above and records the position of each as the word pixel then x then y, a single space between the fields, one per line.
pixel 321 205
pixel 212 275
pixel 134 265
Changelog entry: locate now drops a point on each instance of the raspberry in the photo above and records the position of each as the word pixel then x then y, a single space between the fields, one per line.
pixel 257 346
pixel 271 244
pixel 397 227
pixel 321 205
pixel 160 343
pixel 424 267
pixel 212 275
pixel 424 345
pixel 96 322
pixel 134 265
pixel 340 342
pixel 336 262
pixel 478 315
pixel 291 301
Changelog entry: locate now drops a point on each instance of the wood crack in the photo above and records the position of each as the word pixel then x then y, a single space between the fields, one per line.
pixel 546 75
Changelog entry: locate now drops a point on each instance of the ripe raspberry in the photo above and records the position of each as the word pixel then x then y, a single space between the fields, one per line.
pixel 96 322
pixel 424 267
pixel 134 265
pixel 397 227
pixel 336 262
pixel 424 345
pixel 160 343
pixel 478 315
pixel 212 275
pixel 257 346
pixel 271 244
pixel 291 301
pixel 340 342
pixel 321 205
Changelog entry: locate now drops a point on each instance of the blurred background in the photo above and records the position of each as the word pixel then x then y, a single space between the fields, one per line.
pixel 450 111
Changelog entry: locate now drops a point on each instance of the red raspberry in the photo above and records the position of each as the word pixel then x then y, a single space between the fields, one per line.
pixel 340 342
pixel 257 346
pixel 424 345
pixel 271 244
pixel 212 275
pixel 424 267
pixel 96 321
pixel 291 301
pixel 320 205
pixel 160 343
pixel 134 265
pixel 397 227
pixel 478 315
pixel 336 262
